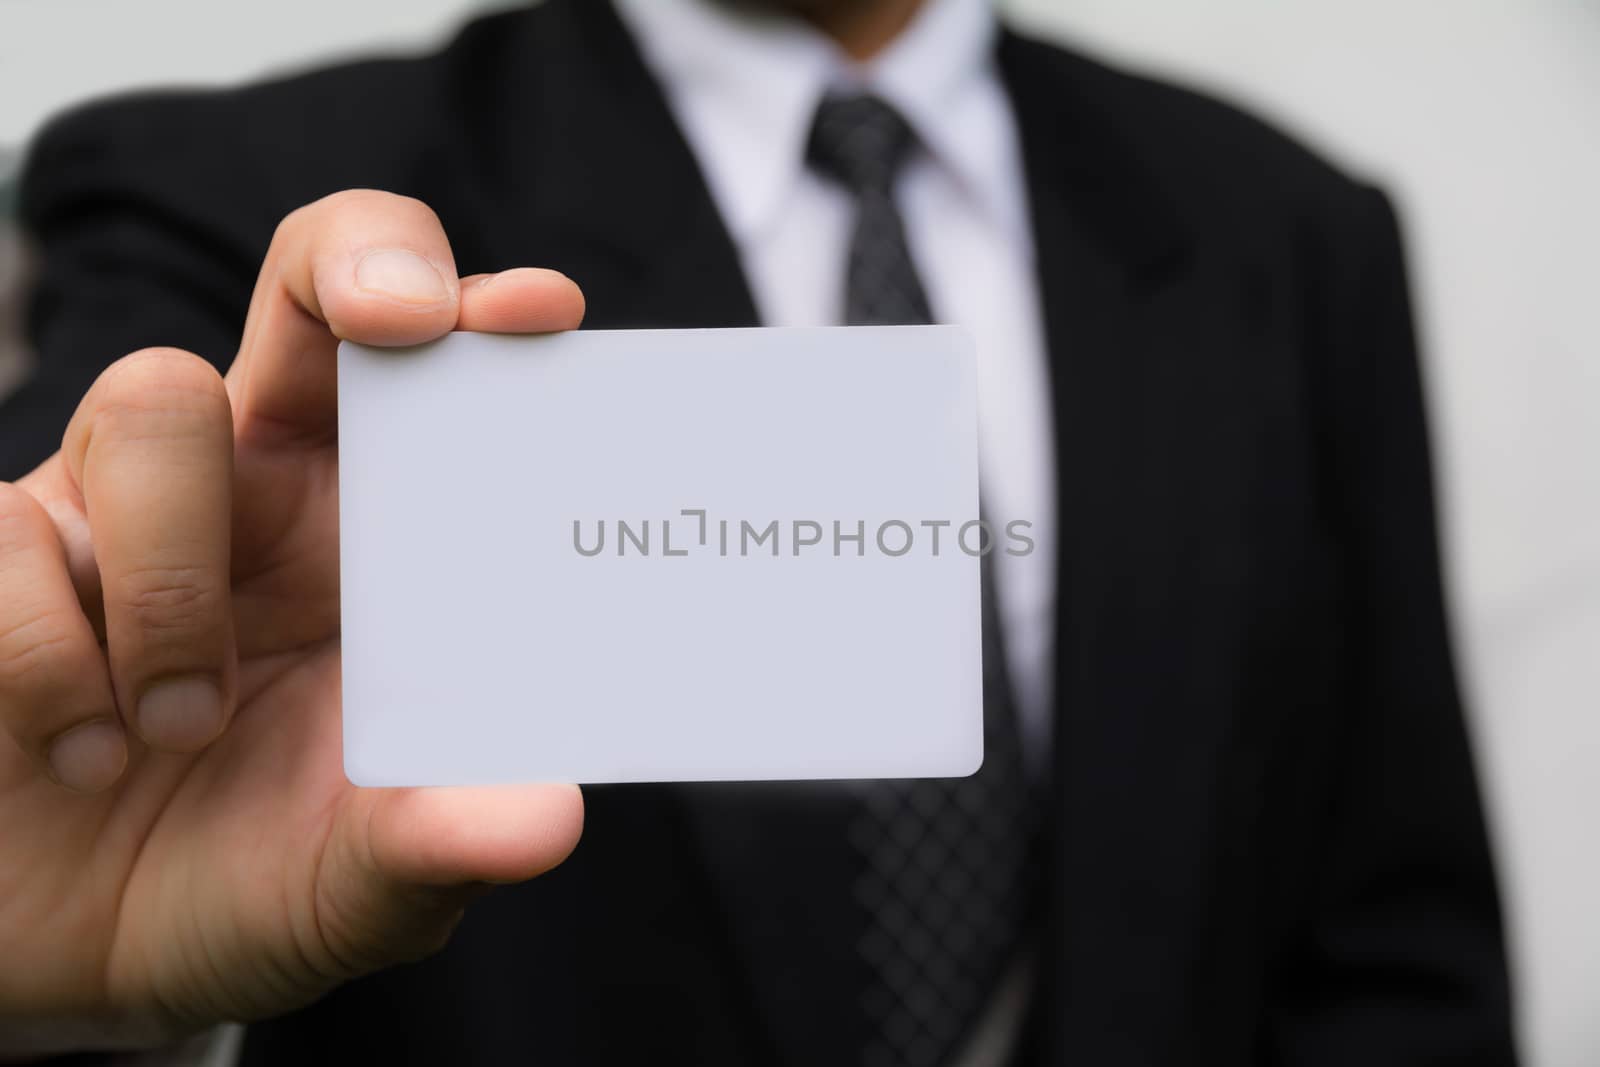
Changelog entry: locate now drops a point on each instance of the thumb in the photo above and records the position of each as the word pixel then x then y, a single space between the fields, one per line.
pixel 404 862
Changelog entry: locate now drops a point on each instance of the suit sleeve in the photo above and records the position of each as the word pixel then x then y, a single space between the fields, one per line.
pixel 127 207
pixel 1402 961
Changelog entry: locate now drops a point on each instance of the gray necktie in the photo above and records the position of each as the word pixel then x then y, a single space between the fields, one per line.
pixel 944 864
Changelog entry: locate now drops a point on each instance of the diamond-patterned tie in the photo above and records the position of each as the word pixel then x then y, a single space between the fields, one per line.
pixel 861 143
pixel 944 864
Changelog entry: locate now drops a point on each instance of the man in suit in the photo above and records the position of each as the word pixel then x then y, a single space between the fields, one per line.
pixel 1229 813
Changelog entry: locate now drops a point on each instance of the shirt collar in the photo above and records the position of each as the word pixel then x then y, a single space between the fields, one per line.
pixel 745 84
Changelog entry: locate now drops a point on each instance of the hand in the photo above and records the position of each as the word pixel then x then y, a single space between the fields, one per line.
pixel 178 842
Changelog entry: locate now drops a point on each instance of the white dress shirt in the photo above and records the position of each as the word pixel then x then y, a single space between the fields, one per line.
pixel 743 86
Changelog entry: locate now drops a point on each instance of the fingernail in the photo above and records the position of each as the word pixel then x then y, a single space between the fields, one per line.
pixel 89 758
pixel 401 275
pixel 181 714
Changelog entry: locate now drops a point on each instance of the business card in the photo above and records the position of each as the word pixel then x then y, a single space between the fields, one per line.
pixel 661 555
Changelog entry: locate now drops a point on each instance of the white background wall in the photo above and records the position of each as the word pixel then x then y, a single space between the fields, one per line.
pixel 1483 116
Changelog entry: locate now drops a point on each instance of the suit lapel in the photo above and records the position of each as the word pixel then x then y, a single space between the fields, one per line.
pixel 1154 450
pixel 1091 256
pixel 599 182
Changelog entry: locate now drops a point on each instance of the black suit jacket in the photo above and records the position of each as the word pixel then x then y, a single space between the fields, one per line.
pixel 1266 845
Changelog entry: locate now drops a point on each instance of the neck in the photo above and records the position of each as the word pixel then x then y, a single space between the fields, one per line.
pixel 863 28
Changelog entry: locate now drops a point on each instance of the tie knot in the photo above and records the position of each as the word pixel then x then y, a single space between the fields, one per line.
pixel 859 141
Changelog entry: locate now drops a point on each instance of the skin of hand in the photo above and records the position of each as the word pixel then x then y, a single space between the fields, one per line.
pixel 178 842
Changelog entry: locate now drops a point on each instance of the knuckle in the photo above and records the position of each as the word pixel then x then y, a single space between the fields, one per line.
pixel 288 225
pixel 169 601
pixel 33 649
pixel 365 202
pixel 419 210
pixel 11 497
pixel 157 385
pixel 21 519
pixel 162 372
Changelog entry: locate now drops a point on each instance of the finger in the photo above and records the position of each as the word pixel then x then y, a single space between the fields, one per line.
pixel 404 862
pixel 55 697
pixel 360 265
pixel 523 300
pixel 449 836
pixel 151 451
pixel 52 486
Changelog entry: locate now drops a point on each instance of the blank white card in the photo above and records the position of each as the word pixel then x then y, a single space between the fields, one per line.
pixel 661 555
